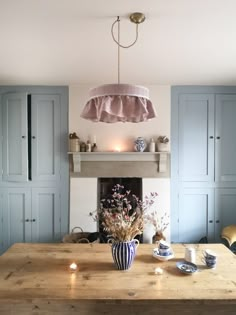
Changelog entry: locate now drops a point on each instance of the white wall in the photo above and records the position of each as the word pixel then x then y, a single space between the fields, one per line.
pixel 109 136
pixel 161 203
pixel 83 200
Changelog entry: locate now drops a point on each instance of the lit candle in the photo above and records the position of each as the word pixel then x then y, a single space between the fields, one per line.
pixel 73 267
pixel 158 271
pixel 117 149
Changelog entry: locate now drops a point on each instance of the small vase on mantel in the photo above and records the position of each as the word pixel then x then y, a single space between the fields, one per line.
pixel 140 144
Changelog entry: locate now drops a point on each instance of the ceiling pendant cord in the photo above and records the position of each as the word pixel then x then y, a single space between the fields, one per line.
pixel 118 19
pixel 117 41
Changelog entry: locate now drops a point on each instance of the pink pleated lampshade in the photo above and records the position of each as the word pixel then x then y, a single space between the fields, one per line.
pixel 119 102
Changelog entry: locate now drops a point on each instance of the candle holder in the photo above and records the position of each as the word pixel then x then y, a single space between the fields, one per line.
pixel 73 267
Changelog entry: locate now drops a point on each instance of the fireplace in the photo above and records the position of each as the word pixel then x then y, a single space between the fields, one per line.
pixel 106 190
pixel 105 186
pixel 86 192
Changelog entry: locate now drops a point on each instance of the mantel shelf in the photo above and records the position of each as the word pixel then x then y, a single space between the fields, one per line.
pixel 159 157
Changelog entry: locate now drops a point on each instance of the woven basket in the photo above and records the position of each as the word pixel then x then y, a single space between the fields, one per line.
pixel 76 237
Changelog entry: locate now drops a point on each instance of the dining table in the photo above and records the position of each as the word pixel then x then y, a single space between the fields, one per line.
pixel 39 278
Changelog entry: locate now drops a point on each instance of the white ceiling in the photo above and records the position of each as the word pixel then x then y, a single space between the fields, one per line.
pixel 69 42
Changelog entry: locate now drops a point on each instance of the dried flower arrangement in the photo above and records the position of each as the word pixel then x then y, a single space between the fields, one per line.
pixel 163 139
pixel 159 224
pixel 123 215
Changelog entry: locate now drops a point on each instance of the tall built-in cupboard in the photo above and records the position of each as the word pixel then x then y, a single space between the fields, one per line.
pixel 203 162
pixel 34 181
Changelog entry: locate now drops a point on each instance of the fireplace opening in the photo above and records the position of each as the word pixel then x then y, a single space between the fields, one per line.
pixel 105 186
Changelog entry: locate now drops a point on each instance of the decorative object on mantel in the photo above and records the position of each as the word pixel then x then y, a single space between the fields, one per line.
pixel 83 147
pixel 152 145
pixel 162 143
pixel 140 144
pixel 94 145
pixel 94 148
pixel 121 216
pixel 88 146
pixel 120 102
pixel 74 144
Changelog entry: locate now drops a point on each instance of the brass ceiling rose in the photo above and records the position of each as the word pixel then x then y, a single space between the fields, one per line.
pixel 137 17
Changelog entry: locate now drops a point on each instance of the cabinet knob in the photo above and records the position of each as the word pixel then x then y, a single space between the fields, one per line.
pixel 217 137
pixel 27 220
pixel 33 137
pixel 210 221
pixel 217 221
pixel 33 220
pixel 23 137
pixel 211 137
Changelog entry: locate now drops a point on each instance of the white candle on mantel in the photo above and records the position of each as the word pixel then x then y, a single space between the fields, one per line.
pixel 73 267
pixel 94 139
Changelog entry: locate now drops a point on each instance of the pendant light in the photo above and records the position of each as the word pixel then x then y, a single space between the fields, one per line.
pixel 118 102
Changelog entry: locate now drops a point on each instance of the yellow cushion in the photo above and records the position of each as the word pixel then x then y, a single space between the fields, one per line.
pixel 229 233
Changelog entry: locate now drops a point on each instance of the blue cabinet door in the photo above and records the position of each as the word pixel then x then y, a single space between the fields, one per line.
pixel 196 137
pixel 46 137
pixel 196 215
pixel 46 215
pixel 15 134
pixel 1 222
pixel 16 216
pixel 225 157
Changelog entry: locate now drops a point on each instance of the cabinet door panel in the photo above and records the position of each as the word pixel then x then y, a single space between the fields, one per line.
pixel 46 213
pixel 196 215
pixel 15 144
pixel 45 137
pixel 17 216
pixel 196 132
pixel 225 201
pixel 1 222
pixel 225 138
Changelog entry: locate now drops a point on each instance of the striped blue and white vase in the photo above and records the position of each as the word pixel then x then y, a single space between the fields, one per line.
pixel 123 253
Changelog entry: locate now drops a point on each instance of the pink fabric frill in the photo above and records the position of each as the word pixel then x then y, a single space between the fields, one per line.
pixel 119 108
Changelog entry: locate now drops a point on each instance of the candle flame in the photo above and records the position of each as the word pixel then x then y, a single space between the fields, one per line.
pixel 73 266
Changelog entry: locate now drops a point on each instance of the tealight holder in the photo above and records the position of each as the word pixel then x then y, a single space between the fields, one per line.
pixel 73 267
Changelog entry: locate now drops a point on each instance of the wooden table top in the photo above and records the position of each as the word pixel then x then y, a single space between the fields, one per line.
pixel 41 271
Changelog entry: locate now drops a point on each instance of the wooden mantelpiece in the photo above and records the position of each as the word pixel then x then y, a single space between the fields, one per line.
pixel 35 279
pixel 161 158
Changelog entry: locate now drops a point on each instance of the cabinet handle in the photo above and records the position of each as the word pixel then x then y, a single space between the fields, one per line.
pixel 211 137
pixel 27 220
pixel 217 137
pixel 217 221
pixel 210 221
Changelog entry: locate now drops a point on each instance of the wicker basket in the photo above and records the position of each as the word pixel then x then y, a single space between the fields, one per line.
pixel 76 237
